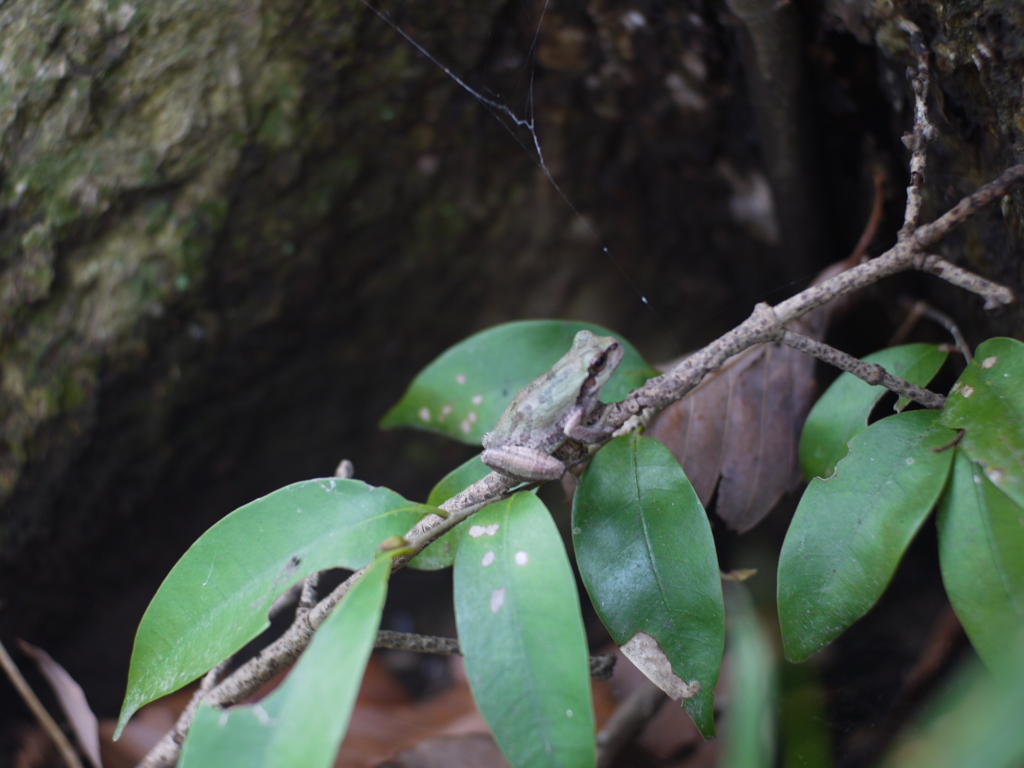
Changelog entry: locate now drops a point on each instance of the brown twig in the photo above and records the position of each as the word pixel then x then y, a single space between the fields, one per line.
pixel 600 666
pixel 874 219
pixel 924 132
pixel 918 309
pixel 869 372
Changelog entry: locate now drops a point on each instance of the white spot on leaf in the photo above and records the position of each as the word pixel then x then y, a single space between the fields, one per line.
pixel 424 414
pixel 445 410
pixel 262 716
pixel 471 417
pixel 488 558
pixel 497 599
pixel 967 391
pixel 988 362
pixel 460 378
pixel 522 558
pixel 476 531
pixel 996 475
pixel 477 399
pixel 465 425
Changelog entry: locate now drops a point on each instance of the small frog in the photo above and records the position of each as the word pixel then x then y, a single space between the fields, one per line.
pixel 553 409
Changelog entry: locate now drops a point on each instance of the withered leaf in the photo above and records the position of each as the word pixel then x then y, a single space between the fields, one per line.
pixel 739 430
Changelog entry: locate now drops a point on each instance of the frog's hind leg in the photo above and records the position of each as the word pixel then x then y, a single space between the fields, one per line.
pixel 522 463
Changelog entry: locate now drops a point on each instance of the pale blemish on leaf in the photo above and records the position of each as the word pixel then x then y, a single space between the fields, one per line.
pixel 477 399
pixel 488 558
pixel 262 716
pixel 988 362
pixel 497 599
pixel 645 653
pixel 471 417
pixel 967 391
pixel 476 531
pixel 445 410
pixel 460 378
pixel 465 425
pixel 424 414
pixel 522 558
pixel 996 475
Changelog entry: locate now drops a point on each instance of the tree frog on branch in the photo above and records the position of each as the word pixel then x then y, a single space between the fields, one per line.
pixel 553 409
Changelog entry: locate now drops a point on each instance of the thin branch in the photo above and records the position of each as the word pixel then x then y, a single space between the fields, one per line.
pixel 869 372
pixel 1008 181
pixel 601 667
pixel 924 132
pixel 918 309
pixel 993 293
pixel 409 641
pixel 874 219
pixel 308 597
pixel 53 730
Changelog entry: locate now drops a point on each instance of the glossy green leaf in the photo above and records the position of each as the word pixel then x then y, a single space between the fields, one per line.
pixel 843 410
pixel 981 552
pixel 441 553
pixel 748 732
pixel 850 531
pixel 647 557
pixel 521 633
pixel 216 598
pixel 302 722
pixel 987 402
pixel 465 390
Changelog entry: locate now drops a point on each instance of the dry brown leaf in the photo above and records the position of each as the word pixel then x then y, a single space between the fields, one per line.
pixel 468 751
pixel 379 730
pixel 739 430
pixel 647 656
pixel 72 700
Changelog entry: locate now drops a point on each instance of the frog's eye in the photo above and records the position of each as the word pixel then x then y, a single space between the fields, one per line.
pixel 599 363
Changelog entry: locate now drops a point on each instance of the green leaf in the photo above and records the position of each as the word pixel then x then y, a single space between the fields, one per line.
pixel 987 402
pixel 302 722
pixel 465 390
pixel 521 632
pixel 749 730
pixel 843 410
pixel 850 531
pixel 981 552
pixel 804 718
pixel 441 553
pixel 974 723
pixel 647 557
pixel 215 600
